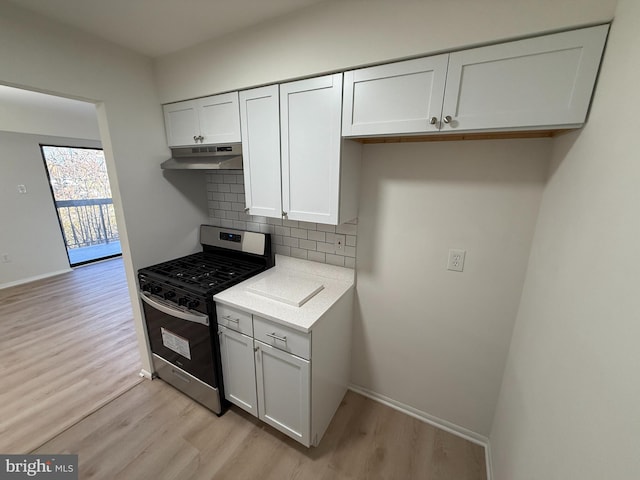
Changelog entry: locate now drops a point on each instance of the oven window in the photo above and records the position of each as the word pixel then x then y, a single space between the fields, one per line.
pixel 185 344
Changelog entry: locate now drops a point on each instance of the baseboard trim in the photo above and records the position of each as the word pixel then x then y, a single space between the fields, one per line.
pixel 34 278
pixel 146 374
pixel 432 420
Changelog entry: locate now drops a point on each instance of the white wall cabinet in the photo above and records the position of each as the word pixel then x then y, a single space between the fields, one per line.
pixel 209 120
pixel 260 122
pixel 297 166
pixel 404 97
pixel 539 83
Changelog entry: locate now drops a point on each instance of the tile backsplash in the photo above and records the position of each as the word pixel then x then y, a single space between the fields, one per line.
pixel 311 241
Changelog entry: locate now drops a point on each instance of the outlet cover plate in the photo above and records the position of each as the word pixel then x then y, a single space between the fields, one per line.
pixel 456 260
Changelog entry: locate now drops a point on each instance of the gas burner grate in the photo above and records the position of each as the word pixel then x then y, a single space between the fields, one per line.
pixel 205 271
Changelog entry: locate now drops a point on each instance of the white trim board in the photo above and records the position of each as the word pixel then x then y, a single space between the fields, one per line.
pixel 33 279
pixel 432 420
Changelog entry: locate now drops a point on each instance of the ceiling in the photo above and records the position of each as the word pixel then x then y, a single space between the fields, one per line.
pixel 158 27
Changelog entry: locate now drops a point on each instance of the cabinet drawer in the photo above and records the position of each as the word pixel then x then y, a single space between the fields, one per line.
pixel 282 338
pixel 234 319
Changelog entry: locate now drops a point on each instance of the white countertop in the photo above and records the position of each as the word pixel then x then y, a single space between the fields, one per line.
pixel 274 294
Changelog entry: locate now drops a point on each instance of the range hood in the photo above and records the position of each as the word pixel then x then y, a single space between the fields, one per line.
pixel 206 157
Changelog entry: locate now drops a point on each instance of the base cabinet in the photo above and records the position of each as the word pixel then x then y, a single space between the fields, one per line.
pixel 238 369
pixel 271 372
pixel 283 385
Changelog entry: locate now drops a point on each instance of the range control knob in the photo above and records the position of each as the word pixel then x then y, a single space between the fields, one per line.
pixel 193 304
pixel 169 294
pixel 182 301
pixel 156 289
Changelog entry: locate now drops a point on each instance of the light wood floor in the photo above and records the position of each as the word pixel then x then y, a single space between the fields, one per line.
pixel 67 347
pixel 148 430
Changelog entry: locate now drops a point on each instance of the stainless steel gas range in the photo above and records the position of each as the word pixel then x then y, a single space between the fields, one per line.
pixel 179 312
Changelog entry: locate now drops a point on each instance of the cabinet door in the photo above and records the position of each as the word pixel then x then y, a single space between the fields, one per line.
pixel 260 121
pixel 181 123
pixel 543 81
pixel 284 392
pixel 238 371
pixel 311 113
pixel 403 97
pixel 219 118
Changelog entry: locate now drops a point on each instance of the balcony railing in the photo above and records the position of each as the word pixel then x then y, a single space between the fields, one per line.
pixel 88 222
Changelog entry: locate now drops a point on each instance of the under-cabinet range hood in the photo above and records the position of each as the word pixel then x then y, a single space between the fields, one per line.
pixel 206 157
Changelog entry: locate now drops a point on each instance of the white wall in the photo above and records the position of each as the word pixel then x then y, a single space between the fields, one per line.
pixel 158 215
pixel 569 406
pixel 30 232
pixel 338 35
pixel 427 337
pixel 448 359
pixel 32 112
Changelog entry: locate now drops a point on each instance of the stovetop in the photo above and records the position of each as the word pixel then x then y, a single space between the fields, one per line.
pixel 205 273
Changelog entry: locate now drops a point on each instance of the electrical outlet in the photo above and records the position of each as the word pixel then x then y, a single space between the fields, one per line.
pixel 456 260
pixel 339 243
pixel 22 189
pixel 5 258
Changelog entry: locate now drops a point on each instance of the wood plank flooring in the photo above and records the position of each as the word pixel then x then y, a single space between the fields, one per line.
pixel 67 347
pixel 68 365
pixel 153 431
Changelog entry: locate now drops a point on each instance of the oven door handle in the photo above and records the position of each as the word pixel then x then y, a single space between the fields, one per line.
pixel 174 312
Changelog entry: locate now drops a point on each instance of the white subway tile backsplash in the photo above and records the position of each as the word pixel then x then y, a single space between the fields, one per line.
pixel 292 242
pixel 347 229
pixel 335 260
pixel 298 253
pixel 298 233
pixel 308 244
pixel 326 228
pixel 312 241
pixel 350 251
pixel 316 236
pixel 325 247
pixel 290 223
pixel 317 256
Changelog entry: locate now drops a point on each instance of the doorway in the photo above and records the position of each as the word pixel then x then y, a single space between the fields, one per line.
pixel 82 196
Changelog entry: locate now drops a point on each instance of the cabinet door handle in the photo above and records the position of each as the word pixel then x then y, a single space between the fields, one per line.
pixel 246 210
pixel 234 320
pixel 434 121
pixel 195 138
pixel 255 349
pixel 447 119
pixel 276 337
pixel 284 214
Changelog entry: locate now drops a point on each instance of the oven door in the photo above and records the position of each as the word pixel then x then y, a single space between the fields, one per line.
pixel 182 338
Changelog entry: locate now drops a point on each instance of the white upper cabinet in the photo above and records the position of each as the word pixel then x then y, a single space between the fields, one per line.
pixel 542 82
pixel 319 170
pixel 260 120
pixel 403 97
pixel 539 82
pixel 208 120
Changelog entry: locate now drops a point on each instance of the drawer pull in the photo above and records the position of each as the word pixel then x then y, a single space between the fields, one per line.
pixel 228 317
pixel 276 337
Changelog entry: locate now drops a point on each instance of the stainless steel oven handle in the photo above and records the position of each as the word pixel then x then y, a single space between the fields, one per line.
pixel 174 312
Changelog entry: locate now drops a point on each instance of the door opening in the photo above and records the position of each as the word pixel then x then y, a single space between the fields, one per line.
pixel 82 196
